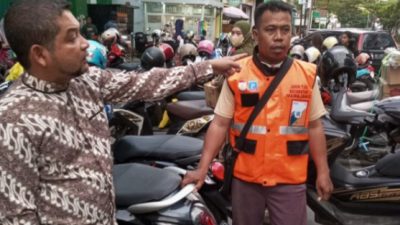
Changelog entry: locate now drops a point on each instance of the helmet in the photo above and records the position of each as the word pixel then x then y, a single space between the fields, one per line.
pixel 173 43
pixel 156 33
pixel 294 40
pixel 110 36
pixel 297 52
pixel 188 51
pixel 335 61
pixel 97 54
pixel 190 34
pixel 152 57
pixel 167 50
pixel 312 54
pixel 140 41
pixel 329 42
pixel 205 46
pixel 362 58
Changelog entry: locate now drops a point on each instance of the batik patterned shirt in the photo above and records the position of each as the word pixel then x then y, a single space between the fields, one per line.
pixel 56 160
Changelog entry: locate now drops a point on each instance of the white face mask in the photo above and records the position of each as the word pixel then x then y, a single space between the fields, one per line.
pixel 237 40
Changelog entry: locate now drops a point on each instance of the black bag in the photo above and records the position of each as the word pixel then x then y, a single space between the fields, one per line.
pixel 230 155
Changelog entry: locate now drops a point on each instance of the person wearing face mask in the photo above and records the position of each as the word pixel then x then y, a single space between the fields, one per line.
pixel 241 39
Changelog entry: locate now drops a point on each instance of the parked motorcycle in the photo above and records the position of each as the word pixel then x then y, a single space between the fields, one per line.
pixel 117 50
pixel 366 195
pixel 164 151
pixel 369 140
pixel 149 195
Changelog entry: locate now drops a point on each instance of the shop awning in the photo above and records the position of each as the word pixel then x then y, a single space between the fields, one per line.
pixel 234 13
pixel 213 3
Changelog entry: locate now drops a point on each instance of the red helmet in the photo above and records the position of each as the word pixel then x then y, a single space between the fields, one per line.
pixel 206 46
pixel 167 50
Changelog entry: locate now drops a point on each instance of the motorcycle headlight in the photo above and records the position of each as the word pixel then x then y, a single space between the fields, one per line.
pixel 200 215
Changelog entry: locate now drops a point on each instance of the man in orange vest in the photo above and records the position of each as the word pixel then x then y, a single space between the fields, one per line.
pixel 271 169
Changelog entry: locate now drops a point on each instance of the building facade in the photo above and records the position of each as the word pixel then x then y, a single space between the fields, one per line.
pixel 196 15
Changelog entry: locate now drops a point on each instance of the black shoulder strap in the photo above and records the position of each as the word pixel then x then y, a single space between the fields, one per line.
pixel 264 99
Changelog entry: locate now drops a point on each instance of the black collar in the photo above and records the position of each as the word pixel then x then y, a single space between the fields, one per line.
pixel 268 71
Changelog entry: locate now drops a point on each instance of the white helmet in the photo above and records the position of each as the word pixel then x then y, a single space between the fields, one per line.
pixel 297 52
pixel 312 54
pixel 110 36
pixel 156 33
pixel 329 42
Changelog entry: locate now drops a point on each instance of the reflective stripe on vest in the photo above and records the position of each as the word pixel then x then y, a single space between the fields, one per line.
pixel 280 133
pixel 254 129
pixel 292 130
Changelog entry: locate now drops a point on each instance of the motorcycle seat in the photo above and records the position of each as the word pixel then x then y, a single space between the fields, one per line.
pixel 343 177
pixel 191 95
pixel 389 165
pixel 364 106
pixel 342 112
pixel 138 183
pixel 356 97
pixel 129 66
pixel 181 150
pixel 188 110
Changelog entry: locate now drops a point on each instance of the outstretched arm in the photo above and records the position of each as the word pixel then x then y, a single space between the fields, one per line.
pixel 158 82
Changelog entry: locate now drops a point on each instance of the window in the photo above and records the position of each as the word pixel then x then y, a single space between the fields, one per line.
pixel 173 8
pixel 154 7
pixel 377 41
pixel 208 11
pixel 154 22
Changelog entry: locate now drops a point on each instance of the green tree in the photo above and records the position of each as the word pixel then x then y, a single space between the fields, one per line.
pixel 361 13
pixel 350 13
pixel 387 12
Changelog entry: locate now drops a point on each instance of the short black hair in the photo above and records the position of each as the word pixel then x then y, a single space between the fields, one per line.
pixel 30 22
pixel 273 6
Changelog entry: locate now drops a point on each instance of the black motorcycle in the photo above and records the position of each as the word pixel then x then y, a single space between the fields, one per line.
pixel 165 151
pixel 149 195
pixel 338 71
pixel 366 195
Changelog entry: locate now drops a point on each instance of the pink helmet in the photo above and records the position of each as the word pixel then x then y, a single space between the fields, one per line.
pixel 206 46
pixel 362 58
pixel 167 50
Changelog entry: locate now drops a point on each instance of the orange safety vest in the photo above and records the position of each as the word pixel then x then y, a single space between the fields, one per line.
pixel 276 146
